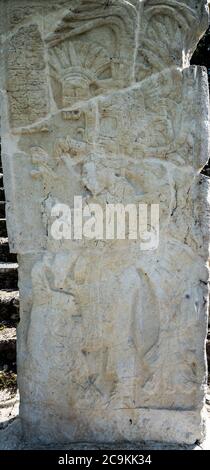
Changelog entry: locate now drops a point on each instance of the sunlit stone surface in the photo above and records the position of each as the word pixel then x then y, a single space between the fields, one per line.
pixel 98 100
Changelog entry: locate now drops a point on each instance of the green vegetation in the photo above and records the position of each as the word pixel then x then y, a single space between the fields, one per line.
pixel 8 380
pixel 201 55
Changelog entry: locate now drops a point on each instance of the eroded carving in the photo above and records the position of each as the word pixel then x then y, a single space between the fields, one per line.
pixel 86 57
pixel 114 115
pixel 26 79
pixel 168 34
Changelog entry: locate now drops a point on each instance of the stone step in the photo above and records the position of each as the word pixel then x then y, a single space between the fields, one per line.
pixel 3 228
pixel 2 194
pixel 8 394
pixel 9 307
pixel 8 276
pixel 5 255
pixel 7 346
pixel 2 210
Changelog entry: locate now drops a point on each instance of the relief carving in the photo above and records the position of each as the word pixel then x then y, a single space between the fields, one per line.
pixel 102 104
pixel 168 35
pixel 85 54
pixel 26 79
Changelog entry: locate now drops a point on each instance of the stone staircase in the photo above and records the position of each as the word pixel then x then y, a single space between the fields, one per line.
pixel 9 305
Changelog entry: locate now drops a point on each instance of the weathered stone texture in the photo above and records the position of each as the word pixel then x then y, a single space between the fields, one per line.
pixel 99 100
pixel 26 81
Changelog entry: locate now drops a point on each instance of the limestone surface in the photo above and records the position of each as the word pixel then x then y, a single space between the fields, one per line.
pixel 98 99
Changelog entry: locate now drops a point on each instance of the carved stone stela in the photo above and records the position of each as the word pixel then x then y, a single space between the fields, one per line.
pixel 98 99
